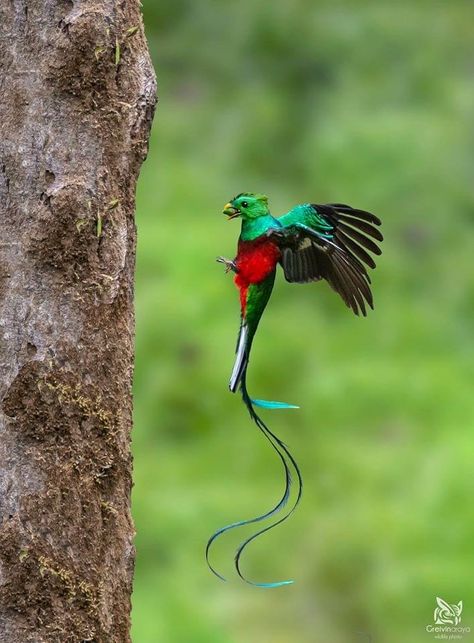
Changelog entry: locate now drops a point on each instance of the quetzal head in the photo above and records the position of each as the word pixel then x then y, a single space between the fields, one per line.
pixel 247 206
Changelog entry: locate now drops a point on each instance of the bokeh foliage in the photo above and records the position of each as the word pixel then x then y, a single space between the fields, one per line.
pixel 369 103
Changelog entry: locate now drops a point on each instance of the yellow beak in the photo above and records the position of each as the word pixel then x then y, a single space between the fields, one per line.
pixel 231 211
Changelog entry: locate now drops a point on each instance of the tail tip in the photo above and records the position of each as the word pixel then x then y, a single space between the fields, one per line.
pixel 267 404
pixel 280 583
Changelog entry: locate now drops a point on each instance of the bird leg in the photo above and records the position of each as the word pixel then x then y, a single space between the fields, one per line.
pixel 228 263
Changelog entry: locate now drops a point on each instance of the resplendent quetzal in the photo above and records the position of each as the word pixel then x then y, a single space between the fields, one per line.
pixel 311 242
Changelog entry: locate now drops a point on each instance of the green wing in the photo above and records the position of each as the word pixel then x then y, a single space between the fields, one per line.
pixel 331 242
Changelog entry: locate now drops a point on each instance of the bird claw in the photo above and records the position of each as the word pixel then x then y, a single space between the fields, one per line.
pixel 228 263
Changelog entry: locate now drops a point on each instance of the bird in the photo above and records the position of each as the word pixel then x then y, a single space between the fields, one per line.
pixel 332 242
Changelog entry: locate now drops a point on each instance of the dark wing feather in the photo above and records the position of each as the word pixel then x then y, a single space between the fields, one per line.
pixel 346 210
pixel 341 260
pixel 301 266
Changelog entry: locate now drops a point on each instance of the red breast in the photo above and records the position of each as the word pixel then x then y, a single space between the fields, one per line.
pixel 255 261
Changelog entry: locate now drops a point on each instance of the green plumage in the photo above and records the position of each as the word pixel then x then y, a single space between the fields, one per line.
pixel 253 228
pixel 257 299
pixel 307 215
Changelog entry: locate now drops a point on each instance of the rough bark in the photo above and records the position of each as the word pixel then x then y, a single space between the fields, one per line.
pixel 77 97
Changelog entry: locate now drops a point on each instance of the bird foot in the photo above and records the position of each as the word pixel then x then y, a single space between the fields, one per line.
pixel 228 263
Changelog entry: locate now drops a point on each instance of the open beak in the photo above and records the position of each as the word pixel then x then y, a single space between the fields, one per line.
pixel 231 212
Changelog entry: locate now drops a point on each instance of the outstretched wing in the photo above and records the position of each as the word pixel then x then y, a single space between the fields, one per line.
pixel 331 242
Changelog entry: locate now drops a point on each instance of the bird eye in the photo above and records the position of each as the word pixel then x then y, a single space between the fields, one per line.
pixel 245 204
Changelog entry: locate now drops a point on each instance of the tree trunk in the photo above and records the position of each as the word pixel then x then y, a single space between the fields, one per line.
pixel 77 97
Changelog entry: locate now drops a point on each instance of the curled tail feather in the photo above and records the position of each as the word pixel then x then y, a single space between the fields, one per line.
pixel 239 378
pixel 286 456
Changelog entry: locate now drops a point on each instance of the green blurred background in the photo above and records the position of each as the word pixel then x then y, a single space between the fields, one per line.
pixel 369 103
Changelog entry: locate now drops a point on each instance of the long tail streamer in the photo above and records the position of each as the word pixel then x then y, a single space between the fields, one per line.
pixel 287 459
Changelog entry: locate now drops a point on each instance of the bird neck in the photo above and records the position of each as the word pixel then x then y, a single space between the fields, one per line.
pixel 253 228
